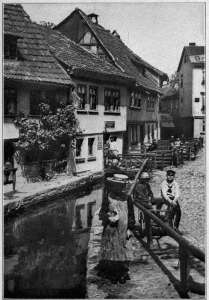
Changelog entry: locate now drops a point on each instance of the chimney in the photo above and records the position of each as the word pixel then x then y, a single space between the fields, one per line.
pixel 115 34
pixel 192 44
pixel 94 18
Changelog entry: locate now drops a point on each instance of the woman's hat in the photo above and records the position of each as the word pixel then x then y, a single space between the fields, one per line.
pixel 117 184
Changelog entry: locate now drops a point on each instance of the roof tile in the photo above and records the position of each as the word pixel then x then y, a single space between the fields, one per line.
pixel 36 61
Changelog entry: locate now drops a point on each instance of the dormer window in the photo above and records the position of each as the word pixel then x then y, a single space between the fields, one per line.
pixel 10 47
pixel 89 42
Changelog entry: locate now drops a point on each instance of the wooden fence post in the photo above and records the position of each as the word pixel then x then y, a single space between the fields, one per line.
pixel 184 270
pixel 148 230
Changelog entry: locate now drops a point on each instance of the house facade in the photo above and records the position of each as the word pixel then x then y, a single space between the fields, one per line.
pixel 101 93
pixel 31 74
pixel 169 110
pixel 191 72
pixel 142 99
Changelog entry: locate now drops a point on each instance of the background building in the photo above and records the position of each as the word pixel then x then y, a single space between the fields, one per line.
pixel 169 109
pixel 191 72
pixel 102 92
pixel 143 98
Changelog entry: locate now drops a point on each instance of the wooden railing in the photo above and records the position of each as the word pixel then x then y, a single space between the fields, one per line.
pixel 186 249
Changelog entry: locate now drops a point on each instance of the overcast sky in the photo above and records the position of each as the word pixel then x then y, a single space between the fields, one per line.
pixel 155 31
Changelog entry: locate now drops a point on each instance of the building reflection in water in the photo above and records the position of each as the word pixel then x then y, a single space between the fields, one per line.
pixel 45 250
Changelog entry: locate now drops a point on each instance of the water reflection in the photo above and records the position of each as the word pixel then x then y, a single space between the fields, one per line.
pixel 45 251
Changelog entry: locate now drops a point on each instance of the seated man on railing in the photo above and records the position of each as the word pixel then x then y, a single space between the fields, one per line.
pixel 170 194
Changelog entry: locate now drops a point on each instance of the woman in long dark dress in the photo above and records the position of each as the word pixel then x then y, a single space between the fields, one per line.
pixel 117 215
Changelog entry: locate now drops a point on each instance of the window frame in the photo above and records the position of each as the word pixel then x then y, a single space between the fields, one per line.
pixel 80 146
pixel 84 101
pixel 47 96
pixel 10 47
pixel 114 97
pixel 135 100
pixel 150 103
pixel 10 100
pixel 91 95
pixel 92 146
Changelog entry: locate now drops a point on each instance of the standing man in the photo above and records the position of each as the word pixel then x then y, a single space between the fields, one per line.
pixel 143 195
pixel 170 193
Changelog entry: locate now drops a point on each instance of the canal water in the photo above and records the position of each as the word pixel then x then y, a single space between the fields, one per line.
pixel 45 249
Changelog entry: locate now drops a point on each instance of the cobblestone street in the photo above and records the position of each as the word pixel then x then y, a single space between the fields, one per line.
pixel 191 179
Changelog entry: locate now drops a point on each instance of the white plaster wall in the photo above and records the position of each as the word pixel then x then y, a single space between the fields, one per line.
pixel 198 124
pixel 197 88
pixel 96 165
pixel 95 123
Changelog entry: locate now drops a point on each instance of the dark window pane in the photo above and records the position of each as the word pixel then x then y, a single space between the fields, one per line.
pixel 10 101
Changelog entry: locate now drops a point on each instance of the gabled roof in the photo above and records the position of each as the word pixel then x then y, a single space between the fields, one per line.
pixel 82 62
pixel 35 62
pixel 190 51
pixel 119 53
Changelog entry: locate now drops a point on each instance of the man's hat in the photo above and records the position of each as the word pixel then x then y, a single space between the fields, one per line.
pixel 170 172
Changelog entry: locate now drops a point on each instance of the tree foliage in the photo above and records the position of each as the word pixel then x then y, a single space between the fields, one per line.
pixel 41 139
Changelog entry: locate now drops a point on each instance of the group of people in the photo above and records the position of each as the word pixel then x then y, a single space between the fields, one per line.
pixel 118 219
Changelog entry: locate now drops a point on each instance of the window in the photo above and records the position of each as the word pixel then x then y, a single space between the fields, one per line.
pixel 10 47
pixel 153 131
pixel 46 96
pixel 203 102
pixel 79 211
pixel 203 77
pixel 135 100
pixel 112 100
pixel 134 135
pixel 81 91
pixel 150 103
pixel 203 125
pixel 79 143
pixel 196 99
pixel 89 42
pixel 148 132
pixel 10 101
pixel 93 98
pixel 91 146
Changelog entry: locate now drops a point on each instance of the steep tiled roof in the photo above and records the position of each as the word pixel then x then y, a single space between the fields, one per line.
pixel 121 55
pixel 195 50
pixel 190 51
pixel 35 62
pixel 81 61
